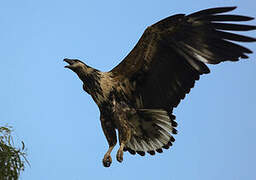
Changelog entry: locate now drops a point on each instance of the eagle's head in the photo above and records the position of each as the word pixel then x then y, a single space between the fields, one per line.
pixel 75 65
pixel 87 74
pixel 80 68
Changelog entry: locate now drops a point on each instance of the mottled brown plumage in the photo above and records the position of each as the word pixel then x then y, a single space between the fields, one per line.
pixel 137 97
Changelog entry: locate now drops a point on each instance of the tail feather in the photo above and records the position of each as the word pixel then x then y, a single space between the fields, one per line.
pixel 152 130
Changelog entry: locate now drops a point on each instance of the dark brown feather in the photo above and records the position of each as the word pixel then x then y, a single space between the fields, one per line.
pixel 233 27
pixel 211 11
pixel 226 17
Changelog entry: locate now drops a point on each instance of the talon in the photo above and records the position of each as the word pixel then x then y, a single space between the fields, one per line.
pixel 107 160
pixel 119 156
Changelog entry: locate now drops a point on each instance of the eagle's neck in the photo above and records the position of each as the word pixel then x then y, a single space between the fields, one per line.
pixel 90 78
pixel 96 83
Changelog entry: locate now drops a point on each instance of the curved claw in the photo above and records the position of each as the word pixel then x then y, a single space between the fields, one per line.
pixel 107 160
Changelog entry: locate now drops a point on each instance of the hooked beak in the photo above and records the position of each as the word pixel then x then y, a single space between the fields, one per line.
pixel 70 62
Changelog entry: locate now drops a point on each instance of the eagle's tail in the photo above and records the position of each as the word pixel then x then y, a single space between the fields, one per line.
pixel 152 129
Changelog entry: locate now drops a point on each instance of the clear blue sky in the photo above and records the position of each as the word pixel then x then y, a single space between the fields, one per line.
pixel 59 123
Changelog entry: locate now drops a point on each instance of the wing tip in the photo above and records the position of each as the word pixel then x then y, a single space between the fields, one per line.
pixel 249 18
pixel 211 11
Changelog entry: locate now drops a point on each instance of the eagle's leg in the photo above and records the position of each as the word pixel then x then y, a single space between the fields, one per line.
pixel 120 152
pixel 110 134
pixel 121 112
pixel 124 135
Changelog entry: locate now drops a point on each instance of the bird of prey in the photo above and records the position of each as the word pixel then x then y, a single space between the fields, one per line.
pixel 137 97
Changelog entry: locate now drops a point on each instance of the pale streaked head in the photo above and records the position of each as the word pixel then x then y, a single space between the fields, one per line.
pixel 74 64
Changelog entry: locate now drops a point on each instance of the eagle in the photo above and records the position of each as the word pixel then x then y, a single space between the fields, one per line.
pixel 137 97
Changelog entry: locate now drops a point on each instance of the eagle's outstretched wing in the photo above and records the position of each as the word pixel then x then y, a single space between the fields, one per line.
pixel 172 53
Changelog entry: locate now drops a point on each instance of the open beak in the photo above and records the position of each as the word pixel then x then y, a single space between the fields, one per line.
pixel 69 61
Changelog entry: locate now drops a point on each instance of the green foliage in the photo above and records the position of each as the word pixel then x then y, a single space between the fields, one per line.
pixel 12 159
